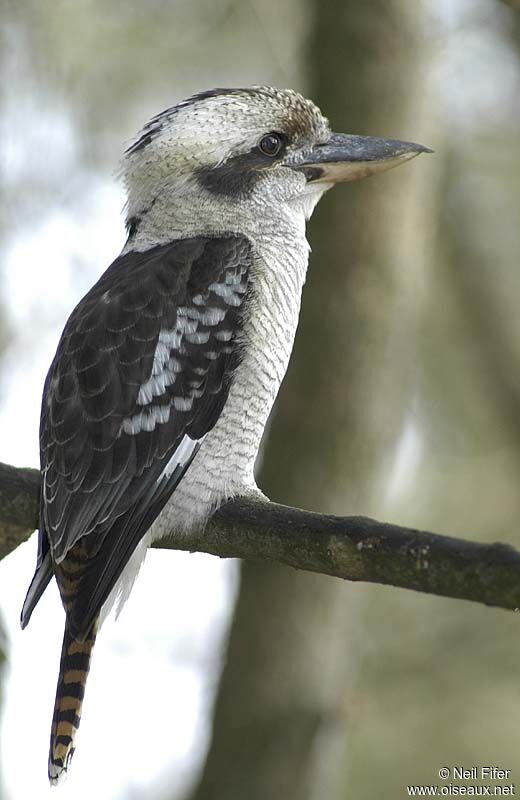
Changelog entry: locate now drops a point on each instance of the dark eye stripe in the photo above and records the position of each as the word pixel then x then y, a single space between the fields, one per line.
pixel 238 176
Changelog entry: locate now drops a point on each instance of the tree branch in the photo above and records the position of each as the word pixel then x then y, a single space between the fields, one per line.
pixel 353 548
pixel 19 491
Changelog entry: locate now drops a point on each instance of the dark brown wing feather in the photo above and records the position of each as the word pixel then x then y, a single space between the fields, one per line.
pixel 145 359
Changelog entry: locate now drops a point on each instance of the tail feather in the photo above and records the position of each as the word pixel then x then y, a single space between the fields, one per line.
pixel 74 669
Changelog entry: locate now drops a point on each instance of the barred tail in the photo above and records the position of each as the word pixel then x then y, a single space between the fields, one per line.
pixel 74 668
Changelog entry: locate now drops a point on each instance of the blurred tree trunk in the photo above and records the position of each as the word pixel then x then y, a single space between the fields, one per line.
pixel 423 667
pixel 281 712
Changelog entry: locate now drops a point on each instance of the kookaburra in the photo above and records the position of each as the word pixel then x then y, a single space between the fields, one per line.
pixel 158 395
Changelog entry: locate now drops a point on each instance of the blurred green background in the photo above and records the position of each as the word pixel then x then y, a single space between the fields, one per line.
pixel 402 397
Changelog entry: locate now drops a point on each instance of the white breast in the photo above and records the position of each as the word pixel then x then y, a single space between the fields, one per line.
pixel 224 465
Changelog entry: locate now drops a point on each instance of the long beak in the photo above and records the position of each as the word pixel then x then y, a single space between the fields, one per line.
pixel 347 158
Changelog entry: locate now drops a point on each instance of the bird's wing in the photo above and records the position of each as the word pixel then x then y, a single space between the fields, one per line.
pixel 141 374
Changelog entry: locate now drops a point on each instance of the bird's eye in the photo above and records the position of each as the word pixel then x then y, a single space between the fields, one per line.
pixel 271 144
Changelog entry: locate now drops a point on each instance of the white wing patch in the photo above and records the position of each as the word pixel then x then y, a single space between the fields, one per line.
pixel 232 289
pixel 182 455
pixel 223 335
pixel 146 420
pixel 191 327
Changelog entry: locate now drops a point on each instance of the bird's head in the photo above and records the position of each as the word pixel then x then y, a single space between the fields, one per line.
pixel 228 154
